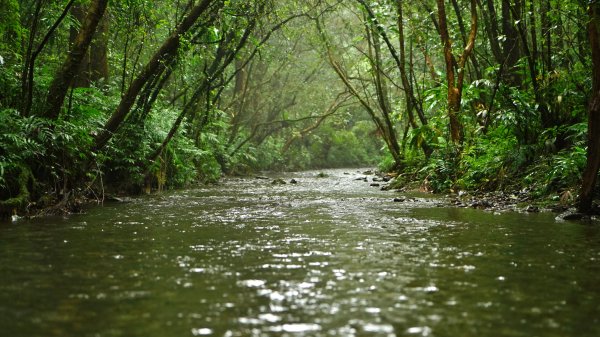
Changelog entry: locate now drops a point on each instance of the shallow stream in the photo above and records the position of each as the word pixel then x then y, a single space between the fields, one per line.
pixel 329 256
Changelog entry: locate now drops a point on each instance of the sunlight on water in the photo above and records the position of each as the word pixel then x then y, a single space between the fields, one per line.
pixel 323 257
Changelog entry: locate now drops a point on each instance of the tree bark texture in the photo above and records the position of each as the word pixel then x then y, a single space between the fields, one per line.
pixel 493 31
pixel 63 79
pixel 590 174
pixel 510 46
pixel 94 66
pixel 455 72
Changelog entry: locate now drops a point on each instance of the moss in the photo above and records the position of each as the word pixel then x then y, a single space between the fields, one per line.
pixel 19 202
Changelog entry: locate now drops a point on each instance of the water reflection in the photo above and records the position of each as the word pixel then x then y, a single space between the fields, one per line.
pixel 324 257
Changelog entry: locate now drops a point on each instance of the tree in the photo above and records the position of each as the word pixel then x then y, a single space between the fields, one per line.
pixel 455 69
pixel 94 66
pixel 380 113
pixel 31 56
pixel 590 174
pixel 411 100
pixel 62 80
pixel 166 53
pixel 225 54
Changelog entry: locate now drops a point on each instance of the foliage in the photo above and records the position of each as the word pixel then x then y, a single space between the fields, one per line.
pixel 259 87
pixel 440 172
pixel 21 142
pixel 491 162
pixel 386 164
pixel 562 170
pixel 565 169
pixel 266 157
pixel 10 29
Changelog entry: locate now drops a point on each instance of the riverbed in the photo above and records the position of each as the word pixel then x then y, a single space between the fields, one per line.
pixel 330 255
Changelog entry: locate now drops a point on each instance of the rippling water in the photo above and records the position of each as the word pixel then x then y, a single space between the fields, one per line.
pixel 325 257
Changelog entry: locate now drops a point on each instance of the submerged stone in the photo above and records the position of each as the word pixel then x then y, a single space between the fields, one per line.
pixel 572 215
pixel 278 181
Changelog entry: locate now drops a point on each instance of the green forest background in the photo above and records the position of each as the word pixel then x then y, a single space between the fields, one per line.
pixel 131 96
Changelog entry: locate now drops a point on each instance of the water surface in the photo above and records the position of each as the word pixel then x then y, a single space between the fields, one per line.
pixel 325 257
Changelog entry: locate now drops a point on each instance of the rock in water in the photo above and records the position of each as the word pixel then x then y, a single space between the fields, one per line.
pixel 572 215
pixel 532 209
pixel 278 181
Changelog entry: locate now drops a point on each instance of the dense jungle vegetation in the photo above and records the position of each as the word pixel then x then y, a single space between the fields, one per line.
pixel 127 96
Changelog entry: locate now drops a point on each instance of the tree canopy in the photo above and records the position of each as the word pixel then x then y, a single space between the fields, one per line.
pixel 138 95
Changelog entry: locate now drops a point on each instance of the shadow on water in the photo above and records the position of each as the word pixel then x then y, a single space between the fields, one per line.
pixel 324 257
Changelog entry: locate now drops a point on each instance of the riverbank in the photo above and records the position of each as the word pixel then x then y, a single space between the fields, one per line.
pixel 401 190
pixel 516 199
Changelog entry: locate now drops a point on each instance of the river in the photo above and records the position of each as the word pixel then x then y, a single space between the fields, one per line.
pixel 328 256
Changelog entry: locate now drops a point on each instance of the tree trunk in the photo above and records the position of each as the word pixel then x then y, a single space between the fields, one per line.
pixel 94 66
pixel 26 82
pixel 455 70
pixel 453 98
pixel 464 37
pixel 510 46
pixel 62 80
pixel 239 96
pixel 533 30
pixel 82 76
pixel 411 101
pixel 546 116
pixel 167 51
pixel 223 58
pixel 593 152
pixel 546 36
pixel 394 149
pixel 493 30
pixel 99 70
pixel 382 95
pixel 28 76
